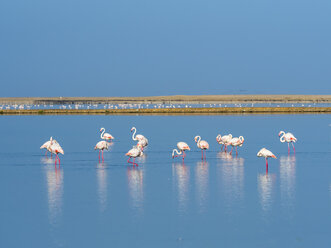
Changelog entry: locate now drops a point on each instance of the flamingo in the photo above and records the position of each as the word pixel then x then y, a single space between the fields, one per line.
pixel 202 144
pixel 266 154
pixel 224 140
pixel 182 146
pixel 54 147
pixel 234 142
pixel 142 140
pixel 46 144
pixel 138 136
pixel 136 151
pixel 289 138
pixel 105 136
pixel 101 145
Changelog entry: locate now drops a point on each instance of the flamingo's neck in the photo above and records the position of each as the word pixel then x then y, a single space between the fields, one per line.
pixel 282 138
pixel 175 150
pixel 101 136
pixel 134 133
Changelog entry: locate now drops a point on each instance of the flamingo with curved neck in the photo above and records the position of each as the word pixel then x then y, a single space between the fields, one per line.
pixel 138 136
pixel 289 138
pixel 235 142
pixel 202 144
pixel 105 136
pixel 182 146
pixel 224 140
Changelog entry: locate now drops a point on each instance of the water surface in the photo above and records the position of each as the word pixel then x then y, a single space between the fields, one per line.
pixel 226 200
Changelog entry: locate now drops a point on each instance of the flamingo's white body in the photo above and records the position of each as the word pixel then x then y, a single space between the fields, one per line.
pixel 105 136
pixel 46 144
pixel 142 140
pixel 235 142
pixel 202 144
pixel 289 138
pixel 101 145
pixel 266 154
pixel 54 147
pixel 182 147
pixel 224 140
pixel 136 151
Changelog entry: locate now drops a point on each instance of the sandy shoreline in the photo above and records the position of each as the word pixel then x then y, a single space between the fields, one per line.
pixel 172 111
pixel 171 99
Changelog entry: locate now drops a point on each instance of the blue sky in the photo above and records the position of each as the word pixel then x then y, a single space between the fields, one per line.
pixel 150 47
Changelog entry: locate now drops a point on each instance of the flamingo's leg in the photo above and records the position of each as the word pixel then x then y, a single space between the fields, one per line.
pixel 288 145
pixel 293 147
pixel 222 147
pixel 99 156
pixel 129 160
pixel 102 157
pixel 236 151
pixel 266 160
pixel 231 150
pixel 58 159
pixel 201 154
pixel 205 154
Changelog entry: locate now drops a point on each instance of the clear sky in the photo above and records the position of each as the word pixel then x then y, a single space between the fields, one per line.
pixel 153 47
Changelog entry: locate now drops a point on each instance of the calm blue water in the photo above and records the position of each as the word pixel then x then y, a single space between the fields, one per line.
pixel 223 202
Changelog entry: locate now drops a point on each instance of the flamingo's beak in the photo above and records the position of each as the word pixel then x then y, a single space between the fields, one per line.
pixel 274 156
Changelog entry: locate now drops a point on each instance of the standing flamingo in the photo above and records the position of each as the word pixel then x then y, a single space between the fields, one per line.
pixel 289 138
pixel 54 147
pixel 202 144
pixel 266 154
pixel 46 144
pixel 224 140
pixel 136 151
pixel 105 136
pixel 142 140
pixel 235 142
pixel 182 146
pixel 101 145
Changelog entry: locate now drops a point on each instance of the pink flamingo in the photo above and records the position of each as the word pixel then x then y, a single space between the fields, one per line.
pixel 202 144
pixel 101 145
pixel 289 138
pixel 46 144
pixel 182 146
pixel 224 140
pixel 54 147
pixel 105 136
pixel 142 140
pixel 136 151
pixel 266 154
pixel 235 142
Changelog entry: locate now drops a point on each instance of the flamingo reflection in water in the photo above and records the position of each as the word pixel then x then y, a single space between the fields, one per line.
pixel 54 179
pixel 231 170
pixel 102 185
pixel 181 179
pixel 266 184
pixel 136 187
pixel 287 179
pixel 201 178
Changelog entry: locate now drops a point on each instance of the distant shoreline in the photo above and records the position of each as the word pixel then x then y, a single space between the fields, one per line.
pixel 170 99
pixel 173 111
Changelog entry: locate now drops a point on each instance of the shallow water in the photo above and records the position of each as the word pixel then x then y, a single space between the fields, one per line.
pixel 226 201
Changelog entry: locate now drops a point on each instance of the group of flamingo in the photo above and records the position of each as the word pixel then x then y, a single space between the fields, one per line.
pixel 54 147
pixel 284 137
